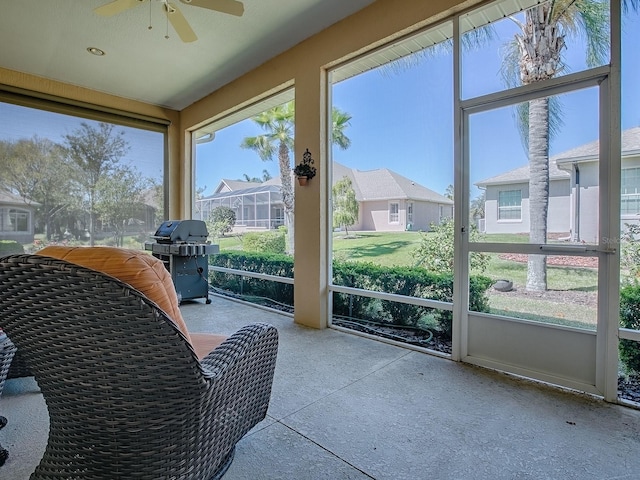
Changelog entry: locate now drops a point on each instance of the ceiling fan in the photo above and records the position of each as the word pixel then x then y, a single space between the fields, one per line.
pixel 174 15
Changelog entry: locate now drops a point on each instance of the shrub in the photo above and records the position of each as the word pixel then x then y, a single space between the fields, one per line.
pixel 630 318
pixel 270 264
pixel 9 247
pixel 410 281
pixel 221 221
pixel 630 252
pixel 264 242
pixel 435 252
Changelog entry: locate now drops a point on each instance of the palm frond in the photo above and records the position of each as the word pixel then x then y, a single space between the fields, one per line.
pixel 510 67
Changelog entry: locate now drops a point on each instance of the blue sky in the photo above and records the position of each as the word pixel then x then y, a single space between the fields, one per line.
pixel 16 123
pixel 403 120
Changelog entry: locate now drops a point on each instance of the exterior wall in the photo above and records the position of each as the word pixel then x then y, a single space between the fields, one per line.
pixel 374 215
pixel 492 224
pixel 426 213
pixel 558 220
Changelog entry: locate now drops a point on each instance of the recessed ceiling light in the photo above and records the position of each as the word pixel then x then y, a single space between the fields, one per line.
pixel 96 51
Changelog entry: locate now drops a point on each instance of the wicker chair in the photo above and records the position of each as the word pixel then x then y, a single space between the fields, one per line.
pixel 7 352
pixel 126 394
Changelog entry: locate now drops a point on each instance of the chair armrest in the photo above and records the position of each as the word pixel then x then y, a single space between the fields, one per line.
pixel 241 373
pixel 255 343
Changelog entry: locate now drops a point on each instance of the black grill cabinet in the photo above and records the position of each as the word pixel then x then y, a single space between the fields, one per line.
pixel 182 246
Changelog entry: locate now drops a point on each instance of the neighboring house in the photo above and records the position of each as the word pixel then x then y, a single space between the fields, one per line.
pixel 16 218
pixel 573 193
pixel 387 202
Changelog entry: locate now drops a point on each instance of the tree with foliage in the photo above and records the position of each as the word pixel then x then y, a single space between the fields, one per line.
pixel 435 252
pixel 277 140
pixel 345 205
pixel 535 55
pixel 95 153
pixel 119 198
pixel 266 176
pixel 36 170
pixel 221 221
pixel 449 192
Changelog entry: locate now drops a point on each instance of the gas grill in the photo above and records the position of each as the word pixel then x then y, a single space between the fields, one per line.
pixel 182 246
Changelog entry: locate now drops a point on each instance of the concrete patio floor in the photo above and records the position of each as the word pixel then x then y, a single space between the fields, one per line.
pixel 348 407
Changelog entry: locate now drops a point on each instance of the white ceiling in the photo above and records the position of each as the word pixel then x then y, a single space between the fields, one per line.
pixel 49 38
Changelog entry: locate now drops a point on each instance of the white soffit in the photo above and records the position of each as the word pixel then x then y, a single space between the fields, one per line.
pixel 203 134
pixel 432 36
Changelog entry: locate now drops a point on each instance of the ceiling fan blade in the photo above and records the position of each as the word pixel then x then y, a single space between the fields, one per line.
pixel 117 6
pixel 180 24
pixel 232 7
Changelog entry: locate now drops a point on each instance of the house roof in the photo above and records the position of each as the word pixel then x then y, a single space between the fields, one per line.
pixel 8 198
pixel 630 145
pixel 385 184
pixel 227 185
pixel 586 152
pixel 521 175
pixel 369 185
pixel 250 188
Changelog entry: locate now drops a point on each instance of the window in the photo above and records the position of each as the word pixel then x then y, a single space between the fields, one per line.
pixel 510 205
pixel 630 191
pixel 409 212
pixel 82 175
pixel 19 220
pixel 393 213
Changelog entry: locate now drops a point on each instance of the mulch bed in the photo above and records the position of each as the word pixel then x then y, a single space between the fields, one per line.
pixel 555 260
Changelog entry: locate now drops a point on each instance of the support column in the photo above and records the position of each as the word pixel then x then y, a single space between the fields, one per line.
pixel 310 258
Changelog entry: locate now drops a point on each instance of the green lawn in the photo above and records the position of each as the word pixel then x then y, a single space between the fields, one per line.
pixel 383 248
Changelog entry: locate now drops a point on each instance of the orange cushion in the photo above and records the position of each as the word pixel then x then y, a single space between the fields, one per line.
pixel 205 343
pixel 141 270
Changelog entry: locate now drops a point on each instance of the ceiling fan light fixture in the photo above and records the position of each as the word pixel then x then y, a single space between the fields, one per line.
pixel 96 51
pixel 173 13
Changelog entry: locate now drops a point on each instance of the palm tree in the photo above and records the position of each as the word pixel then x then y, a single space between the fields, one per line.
pixel 535 55
pixel 278 124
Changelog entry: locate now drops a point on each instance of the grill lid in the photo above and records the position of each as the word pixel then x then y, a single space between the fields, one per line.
pixel 185 231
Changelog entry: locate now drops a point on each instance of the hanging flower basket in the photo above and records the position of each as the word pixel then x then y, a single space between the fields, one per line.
pixel 305 171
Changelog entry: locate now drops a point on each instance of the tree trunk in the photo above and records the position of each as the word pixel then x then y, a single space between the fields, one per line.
pixel 538 190
pixel 287 194
pixel 540 45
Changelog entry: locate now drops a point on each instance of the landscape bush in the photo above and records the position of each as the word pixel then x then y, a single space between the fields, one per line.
pixel 630 318
pixel 9 247
pixel 409 281
pixel 265 242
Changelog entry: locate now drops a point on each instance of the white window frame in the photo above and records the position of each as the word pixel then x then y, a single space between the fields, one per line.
pixel 394 217
pixel 626 197
pixel 509 208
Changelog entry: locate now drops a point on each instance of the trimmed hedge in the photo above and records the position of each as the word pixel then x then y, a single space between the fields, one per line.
pixel 630 318
pixel 9 247
pixel 410 281
pixel 267 263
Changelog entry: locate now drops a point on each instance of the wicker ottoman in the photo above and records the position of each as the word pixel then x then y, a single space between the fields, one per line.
pixel 7 351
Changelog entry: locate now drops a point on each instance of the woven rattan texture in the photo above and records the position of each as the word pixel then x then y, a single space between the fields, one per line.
pixel 7 353
pixel 126 395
